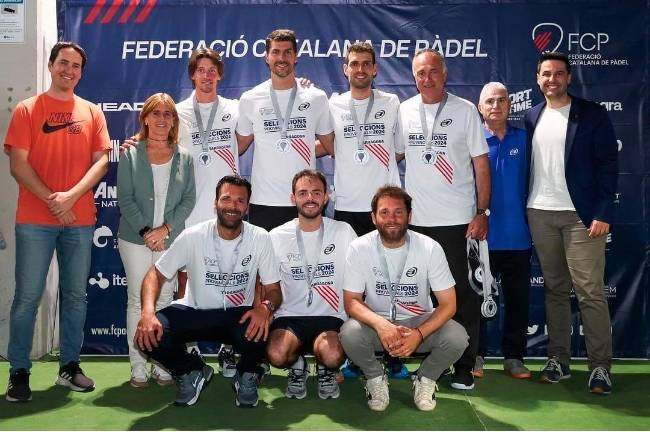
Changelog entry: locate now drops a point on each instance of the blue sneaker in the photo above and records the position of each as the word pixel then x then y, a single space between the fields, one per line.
pixel 600 382
pixel 554 371
pixel 395 368
pixel 350 370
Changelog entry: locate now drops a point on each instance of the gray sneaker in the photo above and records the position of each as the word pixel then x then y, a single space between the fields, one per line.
pixel 227 361
pixel 297 382
pixel 189 385
pixel 71 376
pixel 328 388
pixel 245 387
pixel 516 368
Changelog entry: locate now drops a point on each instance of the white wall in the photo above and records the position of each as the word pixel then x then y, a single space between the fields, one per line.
pixel 24 74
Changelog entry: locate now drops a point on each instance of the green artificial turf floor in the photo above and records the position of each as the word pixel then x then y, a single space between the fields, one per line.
pixel 497 403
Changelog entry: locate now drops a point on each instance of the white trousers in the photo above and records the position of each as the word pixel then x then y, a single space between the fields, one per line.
pixel 137 260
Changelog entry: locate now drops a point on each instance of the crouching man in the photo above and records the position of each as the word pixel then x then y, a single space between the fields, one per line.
pixel 395 268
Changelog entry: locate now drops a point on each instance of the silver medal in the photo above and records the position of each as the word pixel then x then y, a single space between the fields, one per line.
pixel 428 157
pixel 310 297
pixel 282 145
pixel 205 158
pixel 393 312
pixel 361 157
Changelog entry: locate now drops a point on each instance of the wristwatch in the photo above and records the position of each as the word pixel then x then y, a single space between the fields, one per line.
pixel 485 211
pixel 270 306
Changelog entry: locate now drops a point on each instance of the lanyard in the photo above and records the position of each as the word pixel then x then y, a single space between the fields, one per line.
pixel 199 122
pixel 392 286
pixel 309 276
pixel 284 123
pixel 215 244
pixel 357 127
pixel 423 120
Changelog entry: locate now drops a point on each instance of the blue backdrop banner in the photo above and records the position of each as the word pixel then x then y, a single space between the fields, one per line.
pixel 139 48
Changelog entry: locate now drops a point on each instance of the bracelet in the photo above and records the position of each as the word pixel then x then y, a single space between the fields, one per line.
pixel 420 331
pixel 168 230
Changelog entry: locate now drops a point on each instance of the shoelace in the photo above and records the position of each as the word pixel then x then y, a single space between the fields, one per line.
pixel 554 365
pixel 295 377
pixel 326 378
pixel 600 373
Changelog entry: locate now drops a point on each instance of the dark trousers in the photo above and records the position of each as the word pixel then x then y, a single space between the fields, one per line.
pixel 182 324
pixel 269 217
pixel 468 304
pixel 361 222
pixel 514 268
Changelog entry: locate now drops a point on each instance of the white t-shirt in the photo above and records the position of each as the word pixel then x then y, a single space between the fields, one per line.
pixel 443 191
pixel 160 185
pixel 274 166
pixel 380 167
pixel 327 282
pixel 549 190
pixel 222 159
pixel 426 269
pixel 196 249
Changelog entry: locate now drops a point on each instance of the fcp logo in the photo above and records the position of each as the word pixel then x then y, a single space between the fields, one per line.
pixel 547 36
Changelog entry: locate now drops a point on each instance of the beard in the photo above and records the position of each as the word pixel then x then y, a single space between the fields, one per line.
pixel 392 235
pixel 230 222
pixel 311 213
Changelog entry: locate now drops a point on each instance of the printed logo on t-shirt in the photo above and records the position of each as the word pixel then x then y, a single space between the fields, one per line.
pixel 322 270
pixel 61 120
pixel 406 296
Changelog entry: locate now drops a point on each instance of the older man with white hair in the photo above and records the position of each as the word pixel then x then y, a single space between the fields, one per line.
pixel 508 234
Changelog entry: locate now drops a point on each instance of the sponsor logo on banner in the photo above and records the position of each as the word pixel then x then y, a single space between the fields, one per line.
pixel 102 281
pixel 520 102
pixel 532 329
pixel 610 291
pixel 537 281
pixel 613 105
pixel 584 48
pixel 119 12
pixel 105 195
pixel 120 106
pixel 103 237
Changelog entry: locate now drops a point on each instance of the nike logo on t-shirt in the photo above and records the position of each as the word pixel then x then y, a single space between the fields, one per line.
pixel 47 128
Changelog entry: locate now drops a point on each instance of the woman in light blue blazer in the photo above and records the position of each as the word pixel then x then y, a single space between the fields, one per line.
pixel 155 191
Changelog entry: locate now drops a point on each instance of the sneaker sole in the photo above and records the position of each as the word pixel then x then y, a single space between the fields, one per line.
pixel 329 396
pixel 599 391
pixel 241 405
pixel 459 386
pixel 228 373
pixel 138 384
pixel 202 385
pixel 545 379
pixel 522 375
pixel 296 396
pixel 65 383
pixel 16 400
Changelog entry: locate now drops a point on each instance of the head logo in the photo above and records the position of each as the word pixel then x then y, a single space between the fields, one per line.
pixel 100 281
pixel 446 122
pixel 379 114
pixel 266 111
pixel 412 272
pixel 532 329
pixel 514 152
pixel 226 118
pixel 303 106
pixel 100 234
pixel 246 260
pixel 547 36
pixel 329 249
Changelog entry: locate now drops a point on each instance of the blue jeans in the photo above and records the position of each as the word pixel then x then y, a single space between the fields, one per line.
pixel 35 245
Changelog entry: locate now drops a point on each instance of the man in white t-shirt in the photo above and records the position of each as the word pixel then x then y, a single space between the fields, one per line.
pixel 311 252
pixel 448 176
pixel 398 269
pixel 284 119
pixel 364 123
pixel 223 257
pixel 573 174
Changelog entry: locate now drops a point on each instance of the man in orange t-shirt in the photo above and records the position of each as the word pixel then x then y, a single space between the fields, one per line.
pixel 58 147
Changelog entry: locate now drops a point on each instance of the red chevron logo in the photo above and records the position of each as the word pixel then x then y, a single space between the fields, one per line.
pixel 128 9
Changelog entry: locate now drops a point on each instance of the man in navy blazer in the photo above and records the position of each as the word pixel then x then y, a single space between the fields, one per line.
pixel 573 172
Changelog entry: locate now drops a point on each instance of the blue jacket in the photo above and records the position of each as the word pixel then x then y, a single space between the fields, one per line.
pixel 135 193
pixel 508 229
pixel 590 159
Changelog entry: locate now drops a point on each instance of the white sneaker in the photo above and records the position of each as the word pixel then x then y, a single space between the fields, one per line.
pixel 424 393
pixel 377 393
pixel 162 377
pixel 139 377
